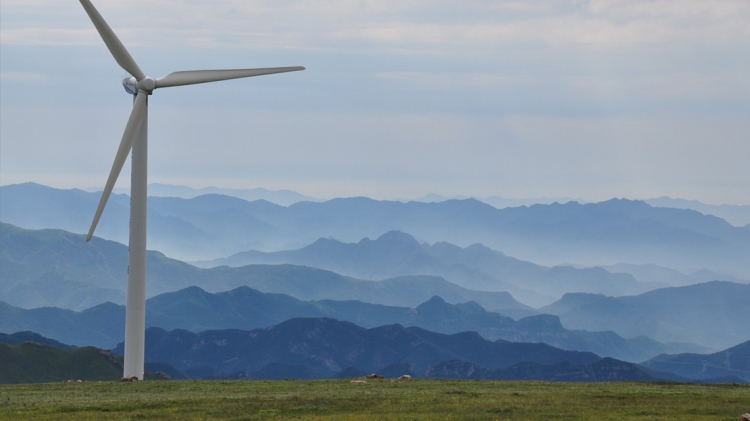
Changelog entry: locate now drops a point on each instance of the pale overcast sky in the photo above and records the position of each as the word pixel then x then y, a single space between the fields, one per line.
pixel 590 99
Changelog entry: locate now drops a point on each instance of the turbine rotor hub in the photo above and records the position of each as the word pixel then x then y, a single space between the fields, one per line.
pixel 147 84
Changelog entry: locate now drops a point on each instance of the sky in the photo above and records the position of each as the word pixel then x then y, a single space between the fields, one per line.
pixel 587 99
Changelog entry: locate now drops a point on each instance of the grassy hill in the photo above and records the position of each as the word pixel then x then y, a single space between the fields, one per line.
pixel 31 362
pixel 28 336
pixel 44 360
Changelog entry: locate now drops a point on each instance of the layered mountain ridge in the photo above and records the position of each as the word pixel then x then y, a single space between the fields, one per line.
pixel 475 267
pixel 57 268
pixel 196 310
pixel 213 226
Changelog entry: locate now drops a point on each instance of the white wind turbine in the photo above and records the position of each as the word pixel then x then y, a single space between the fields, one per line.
pixel 135 137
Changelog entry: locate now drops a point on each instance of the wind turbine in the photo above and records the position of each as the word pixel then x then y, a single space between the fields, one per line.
pixel 135 137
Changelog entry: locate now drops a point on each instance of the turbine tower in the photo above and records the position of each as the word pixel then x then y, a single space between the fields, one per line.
pixel 135 138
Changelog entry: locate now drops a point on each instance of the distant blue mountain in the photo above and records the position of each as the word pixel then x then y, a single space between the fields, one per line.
pixel 738 215
pixel 319 347
pixel 734 361
pixel 56 268
pixel 279 197
pixel 475 267
pixel 196 310
pixel 327 346
pixel 712 314
pixel 497 201
pixel 653 274
pixel 214 226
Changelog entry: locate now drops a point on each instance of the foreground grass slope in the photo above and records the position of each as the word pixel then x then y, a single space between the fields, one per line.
pixel 378 399
pixel 34 362
pixel 31 362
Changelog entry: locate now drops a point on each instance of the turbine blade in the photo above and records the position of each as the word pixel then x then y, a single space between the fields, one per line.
pixel 126 144
pixel 113 43
pixel 192 77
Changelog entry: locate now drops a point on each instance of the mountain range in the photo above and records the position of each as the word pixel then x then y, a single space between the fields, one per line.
pixel 56 268
pixel 738 215
pixel 620 278
pixel 322 347
pixel 319 340
pixel 327 346
pixel 213 226
pixel 475 267
pixel 734 361
pixel 196 310
pixel 279 197
pixel 654 274
pixel 712 314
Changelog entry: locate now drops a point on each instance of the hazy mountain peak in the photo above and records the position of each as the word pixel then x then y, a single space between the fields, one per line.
pixel 327 242
pixel 482 250
pixel 432 302
pixel 314 326
pixel 570 301
pixel 221 199
pixel 705 272
pixel 397 237
pixel 546 322
pixel 737 215
pixel 279 197
pixel 553 205
pixel 438 309
pixel 471 307
pixel 191 291
pixel 621 200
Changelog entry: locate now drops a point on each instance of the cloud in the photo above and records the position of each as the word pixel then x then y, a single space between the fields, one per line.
pixel 22 76
pixel 441 81
pixel 316 24
pixel 49 36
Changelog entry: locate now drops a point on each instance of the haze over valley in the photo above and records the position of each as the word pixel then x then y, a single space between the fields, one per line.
pixel 619 279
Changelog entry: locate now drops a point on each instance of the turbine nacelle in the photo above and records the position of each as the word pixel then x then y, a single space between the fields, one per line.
pixel 129 83
pixel 132 86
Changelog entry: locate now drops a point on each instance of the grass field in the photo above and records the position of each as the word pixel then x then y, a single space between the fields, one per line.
pixel 377 400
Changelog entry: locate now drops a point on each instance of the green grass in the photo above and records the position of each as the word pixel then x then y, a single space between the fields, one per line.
pixel 376 400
